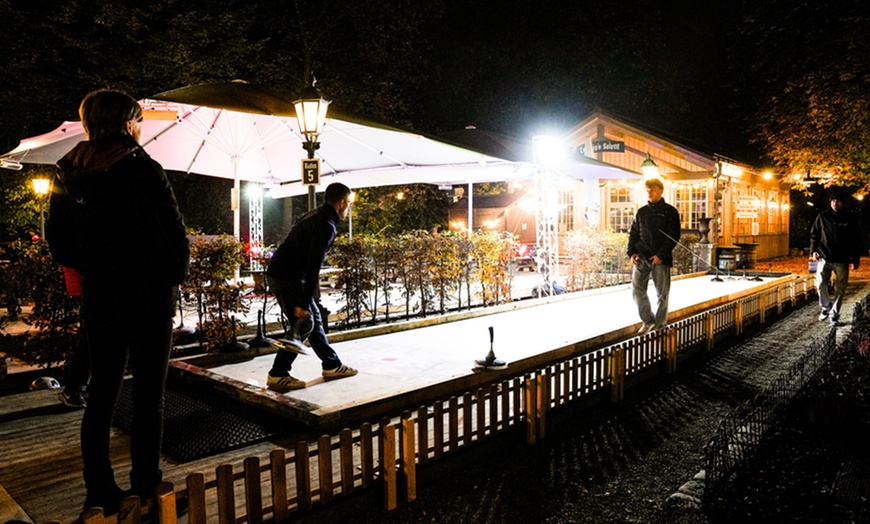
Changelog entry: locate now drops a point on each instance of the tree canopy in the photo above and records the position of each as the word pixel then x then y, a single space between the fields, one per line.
pixel 808 88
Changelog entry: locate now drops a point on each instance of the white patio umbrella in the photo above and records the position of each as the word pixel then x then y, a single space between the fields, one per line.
pixel 238 131
pixel 234 129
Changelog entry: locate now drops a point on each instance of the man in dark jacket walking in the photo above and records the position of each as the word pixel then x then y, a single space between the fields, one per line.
pixel 651 241
pixel 114 219
pixel 835 242
pixel 294 277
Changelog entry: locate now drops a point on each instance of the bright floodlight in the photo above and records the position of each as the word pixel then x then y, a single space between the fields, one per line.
pixel 254 191
pixel 548 149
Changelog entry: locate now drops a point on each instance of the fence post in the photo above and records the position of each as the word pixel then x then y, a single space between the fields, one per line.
pixel 493 409
pixel 303 477
pixel 543 403
pixel 253 493
pixel 345 438
pixel 738 318
pixel 387 459
pixel 531 408
pixel 779 291
pixel 324 468
pixel 617 373
pixel 762 306
pixel 481 414
pixel 367 452
pixel 409 463
pixel 196 513
pixel 671 349
pixel 710 329
pixel 467 419
pixel 437 429
pixel 225 494
pixel 278 471
pixel 166 503
pixel 453 423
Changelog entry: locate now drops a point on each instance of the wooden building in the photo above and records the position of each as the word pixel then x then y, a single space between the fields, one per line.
pixel 740 203
pixel 744 204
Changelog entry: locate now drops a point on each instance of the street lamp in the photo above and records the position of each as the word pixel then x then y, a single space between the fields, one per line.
pixel 311 115
pixel 649 168
pixel 41 186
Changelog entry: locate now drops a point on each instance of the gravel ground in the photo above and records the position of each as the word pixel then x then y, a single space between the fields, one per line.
pixel 622 463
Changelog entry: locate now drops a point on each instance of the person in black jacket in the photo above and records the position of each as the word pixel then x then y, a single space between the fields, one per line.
pixel 114 219
pixel 835 242
pixel 294 278
pixel 651 241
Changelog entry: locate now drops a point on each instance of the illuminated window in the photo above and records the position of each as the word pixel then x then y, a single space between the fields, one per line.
pixel 691 202
pixel 622 208
pixel 566 210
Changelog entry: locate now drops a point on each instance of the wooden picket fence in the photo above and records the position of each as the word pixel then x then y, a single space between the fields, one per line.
pixel 386 455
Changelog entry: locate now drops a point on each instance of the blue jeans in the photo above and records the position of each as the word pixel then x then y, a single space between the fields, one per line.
pixel 823 278
pixel 661 277
pixel 287 293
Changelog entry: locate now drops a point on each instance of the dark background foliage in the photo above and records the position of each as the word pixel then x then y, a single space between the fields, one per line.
pixel 776 82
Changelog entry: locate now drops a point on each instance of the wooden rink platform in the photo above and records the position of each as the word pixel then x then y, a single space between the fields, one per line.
pixel 406 364
pixel 401 365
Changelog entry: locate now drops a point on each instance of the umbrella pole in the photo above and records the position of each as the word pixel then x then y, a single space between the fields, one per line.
pixel 236 204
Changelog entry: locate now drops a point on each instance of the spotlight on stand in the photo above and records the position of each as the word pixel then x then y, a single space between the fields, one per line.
pixel 490 362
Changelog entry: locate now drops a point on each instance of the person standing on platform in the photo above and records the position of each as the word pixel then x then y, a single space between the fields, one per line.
pixel 651 241
pixel 835 242
pixel 294 277
pixel 114 219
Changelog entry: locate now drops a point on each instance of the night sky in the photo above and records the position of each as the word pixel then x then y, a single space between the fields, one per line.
pixel 697 71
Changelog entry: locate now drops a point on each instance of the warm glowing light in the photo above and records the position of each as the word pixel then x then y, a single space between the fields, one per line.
pixel 859 196
pixel 731 170
pixel 311 113
pixel 41 186
pixel 649 168
pixel 767 175
pixel 400 195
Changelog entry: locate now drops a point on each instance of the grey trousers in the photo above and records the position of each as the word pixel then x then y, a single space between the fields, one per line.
pixel 823 278
pixel 661 277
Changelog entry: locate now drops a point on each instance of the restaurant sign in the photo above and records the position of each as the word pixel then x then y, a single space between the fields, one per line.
pixel 608 146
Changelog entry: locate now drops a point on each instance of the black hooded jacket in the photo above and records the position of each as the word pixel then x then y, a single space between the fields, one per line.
pixel 113 217
pixel 836 237
pixel 301 254
pixel 655 231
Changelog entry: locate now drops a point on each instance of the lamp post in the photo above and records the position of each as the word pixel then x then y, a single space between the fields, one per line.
pixel 649 168
pixel 311 115
pixel 351 198
pixel 41 186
